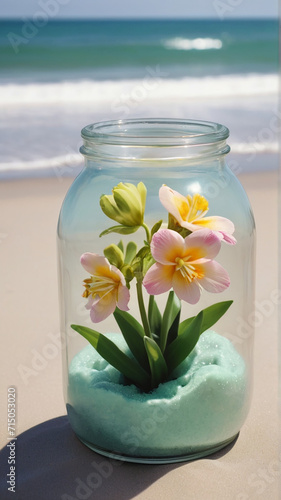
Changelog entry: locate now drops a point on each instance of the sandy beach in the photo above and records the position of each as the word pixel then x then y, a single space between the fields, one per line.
pixel 31 362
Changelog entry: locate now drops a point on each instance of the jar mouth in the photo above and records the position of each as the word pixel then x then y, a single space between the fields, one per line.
pixel 154 140
pixel 155 132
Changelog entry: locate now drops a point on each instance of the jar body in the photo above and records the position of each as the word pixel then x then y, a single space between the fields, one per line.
pixel 112 430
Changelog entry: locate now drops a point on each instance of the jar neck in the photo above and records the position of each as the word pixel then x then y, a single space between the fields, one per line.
pixel 155 140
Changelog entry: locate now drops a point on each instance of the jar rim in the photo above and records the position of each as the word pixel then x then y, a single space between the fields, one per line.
pixel 155 132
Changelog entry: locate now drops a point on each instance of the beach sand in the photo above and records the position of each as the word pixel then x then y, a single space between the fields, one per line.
pixel 31 362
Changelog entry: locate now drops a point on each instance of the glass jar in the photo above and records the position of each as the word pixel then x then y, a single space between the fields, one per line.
pixel 202 406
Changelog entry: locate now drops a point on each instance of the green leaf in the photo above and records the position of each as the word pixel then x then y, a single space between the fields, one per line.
pixel 128 273
pixel 172 309
pixel 154 317
pixel 133 334
pixel 210 316
pixel 137 266
pixel 142 260
pixel 131 251
pixel 174 329
pixel 121 246
pixel 156 227
pixel 182 346
pixel 148 261
pixel 143 252
pixel 120 229
pixel 158 366
pixel 114 356
pixel 184 324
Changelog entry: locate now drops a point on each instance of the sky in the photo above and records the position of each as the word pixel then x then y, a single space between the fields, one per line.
pixel 96 9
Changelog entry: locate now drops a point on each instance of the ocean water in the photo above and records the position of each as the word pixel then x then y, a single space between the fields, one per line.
pixel 58 76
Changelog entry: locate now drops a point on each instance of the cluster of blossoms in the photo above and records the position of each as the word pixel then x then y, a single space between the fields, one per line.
pixel 181 256
pixel 178 259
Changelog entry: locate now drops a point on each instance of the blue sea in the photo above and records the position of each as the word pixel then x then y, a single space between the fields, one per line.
pixel 58 76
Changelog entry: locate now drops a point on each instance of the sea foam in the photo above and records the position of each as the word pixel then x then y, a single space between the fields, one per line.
pixel 69 165
pixel 179 43
pixel 153 86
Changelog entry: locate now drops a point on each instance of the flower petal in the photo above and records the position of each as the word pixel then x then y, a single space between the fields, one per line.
pixel 216 278
pixel 117 276
pixel 220 225
pixel 129 202
pixel 93 261
pixel 142 192
pixel 102 307
pixel 158 279
pixel 228 238
pixel 202 244
pixel 166 245
pixel 123 297
pixel 216 223
pixel 174 202
pixel 90 302
pixel 189 292
pixel 109 207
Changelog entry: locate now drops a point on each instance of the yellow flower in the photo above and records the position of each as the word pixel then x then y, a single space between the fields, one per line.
pixel 185 264
pixel 105 289
pixel 190 211
pixel 126 205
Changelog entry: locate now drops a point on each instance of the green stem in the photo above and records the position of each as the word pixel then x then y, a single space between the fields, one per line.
pixel 151 304
pixel 142 310
pixel 147 231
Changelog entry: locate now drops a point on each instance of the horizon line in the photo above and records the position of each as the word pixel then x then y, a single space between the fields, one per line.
pixel 135 18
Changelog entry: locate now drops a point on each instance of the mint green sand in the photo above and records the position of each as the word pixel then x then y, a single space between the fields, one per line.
pixel 202 407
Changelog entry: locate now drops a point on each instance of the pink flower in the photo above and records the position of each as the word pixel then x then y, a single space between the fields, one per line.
pixel 185 264
pixel 106 288
pixel 190 212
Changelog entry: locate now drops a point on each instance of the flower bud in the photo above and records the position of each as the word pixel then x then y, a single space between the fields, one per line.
pixel 114 255
pixel 126 205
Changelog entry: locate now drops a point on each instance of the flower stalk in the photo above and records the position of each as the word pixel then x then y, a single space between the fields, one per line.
pixel 143 314
pixel 147 232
